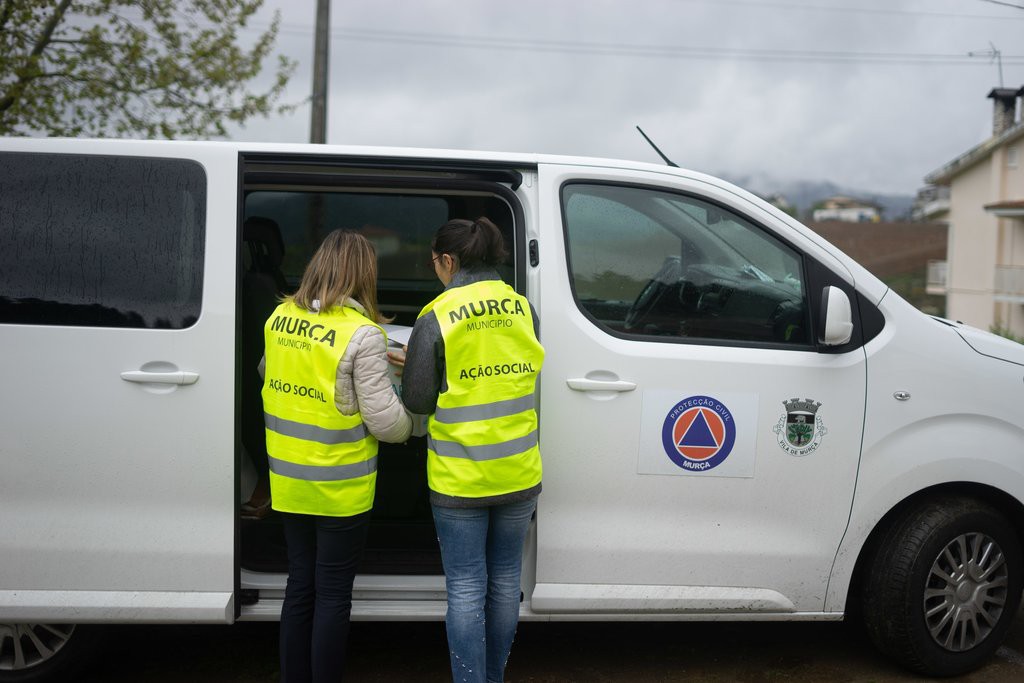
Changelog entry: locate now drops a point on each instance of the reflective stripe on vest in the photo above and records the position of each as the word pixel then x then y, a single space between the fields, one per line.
pixel 486 411
pixel 321 462
pixel 310 432
pixel 451 449
pixel 482 437
pixel 321 472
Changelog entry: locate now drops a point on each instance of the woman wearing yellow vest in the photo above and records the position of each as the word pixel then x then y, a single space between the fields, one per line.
pixel 472 365
pixel 327 399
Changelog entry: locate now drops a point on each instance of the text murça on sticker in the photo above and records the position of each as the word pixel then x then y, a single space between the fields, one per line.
pixel 302 328
pixel 486 307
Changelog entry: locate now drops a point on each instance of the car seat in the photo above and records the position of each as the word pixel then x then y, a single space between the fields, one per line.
pixel 263 285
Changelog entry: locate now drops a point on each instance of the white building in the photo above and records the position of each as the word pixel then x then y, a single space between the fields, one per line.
pixel 846 209
pixel 984 274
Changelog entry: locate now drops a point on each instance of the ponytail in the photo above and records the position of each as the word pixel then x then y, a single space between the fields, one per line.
pixel 472 243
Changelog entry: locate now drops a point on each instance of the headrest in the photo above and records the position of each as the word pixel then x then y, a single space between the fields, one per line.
pixel 264 232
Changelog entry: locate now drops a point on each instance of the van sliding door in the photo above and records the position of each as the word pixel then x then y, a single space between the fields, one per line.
pixel 117 319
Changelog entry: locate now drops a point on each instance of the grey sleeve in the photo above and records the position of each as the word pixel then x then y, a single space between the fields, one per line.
pixel 424 366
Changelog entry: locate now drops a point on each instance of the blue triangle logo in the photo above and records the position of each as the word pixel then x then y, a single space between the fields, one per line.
pixel 699 434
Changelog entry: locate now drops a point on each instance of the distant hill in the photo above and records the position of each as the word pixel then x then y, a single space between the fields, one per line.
pixel 803 194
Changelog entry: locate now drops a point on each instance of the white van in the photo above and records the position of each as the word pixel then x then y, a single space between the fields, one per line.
pixel 737 421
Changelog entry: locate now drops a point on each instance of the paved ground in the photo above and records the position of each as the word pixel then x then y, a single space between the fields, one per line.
pixel 604 652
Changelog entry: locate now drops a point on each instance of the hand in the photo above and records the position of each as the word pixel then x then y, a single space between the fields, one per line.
pixel 397 358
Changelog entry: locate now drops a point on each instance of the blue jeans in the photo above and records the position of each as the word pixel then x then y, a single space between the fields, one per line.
pixel 482 552
pixel 323 555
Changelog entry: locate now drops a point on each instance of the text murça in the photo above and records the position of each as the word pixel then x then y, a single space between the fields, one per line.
pixel 301 327
pixel 486 307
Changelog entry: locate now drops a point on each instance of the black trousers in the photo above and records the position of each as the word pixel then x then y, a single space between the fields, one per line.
pixel 323 554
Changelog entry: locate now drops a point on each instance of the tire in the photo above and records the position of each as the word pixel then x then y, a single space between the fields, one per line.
pixel 944 586
pixel 34 653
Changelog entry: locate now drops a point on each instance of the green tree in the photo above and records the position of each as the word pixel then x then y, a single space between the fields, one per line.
pixel 150 68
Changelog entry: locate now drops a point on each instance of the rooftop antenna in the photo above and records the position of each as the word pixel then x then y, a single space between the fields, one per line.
pixel 993 54
pixel 651 143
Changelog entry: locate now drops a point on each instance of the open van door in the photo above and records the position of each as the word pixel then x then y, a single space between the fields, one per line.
pixel 117 299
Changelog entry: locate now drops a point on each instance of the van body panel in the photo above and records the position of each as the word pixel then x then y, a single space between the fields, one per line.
pixel 119 488
pixel 961 423
pixel 604 521
pixel 604 598
pixel 154 607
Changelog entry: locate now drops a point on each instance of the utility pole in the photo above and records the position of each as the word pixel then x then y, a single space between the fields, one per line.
pixel 318 120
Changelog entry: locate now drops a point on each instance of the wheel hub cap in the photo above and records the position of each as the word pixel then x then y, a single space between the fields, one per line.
pixel 965 592
pixel 23 646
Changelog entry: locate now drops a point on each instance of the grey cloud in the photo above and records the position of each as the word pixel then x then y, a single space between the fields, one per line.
pixel 879 127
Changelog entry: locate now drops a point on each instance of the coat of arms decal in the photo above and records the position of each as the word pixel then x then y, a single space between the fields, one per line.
pixel 800 429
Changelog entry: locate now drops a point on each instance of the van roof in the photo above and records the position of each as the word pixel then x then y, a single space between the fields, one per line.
pixel 519 159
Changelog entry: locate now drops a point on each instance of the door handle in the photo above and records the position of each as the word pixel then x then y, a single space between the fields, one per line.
pixel 174 377
pixel 584 384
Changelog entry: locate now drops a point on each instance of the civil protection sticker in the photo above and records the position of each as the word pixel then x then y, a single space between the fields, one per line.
pixel 698 433
pixel 657 404
pixel 800 429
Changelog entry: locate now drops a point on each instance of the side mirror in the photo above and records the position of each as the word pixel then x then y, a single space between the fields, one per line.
pixel 836 316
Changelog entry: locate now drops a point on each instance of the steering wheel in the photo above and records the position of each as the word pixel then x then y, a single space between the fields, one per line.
pixel 644 303
pixel 663 281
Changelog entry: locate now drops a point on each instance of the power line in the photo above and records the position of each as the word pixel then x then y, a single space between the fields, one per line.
pixel 673 51
pixel 1004 4
pixel 657 51
pixel 857 10
pixel 755 4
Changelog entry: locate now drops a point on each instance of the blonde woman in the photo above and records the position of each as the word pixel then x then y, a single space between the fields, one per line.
pixel 327 399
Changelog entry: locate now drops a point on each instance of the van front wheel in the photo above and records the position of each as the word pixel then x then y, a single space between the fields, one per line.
pixel 33 653
pixel 944 586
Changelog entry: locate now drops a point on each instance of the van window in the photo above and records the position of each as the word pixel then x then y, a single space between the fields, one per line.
pixel 101 241
pixel 400 224
pixel 666 266
pixel 400 227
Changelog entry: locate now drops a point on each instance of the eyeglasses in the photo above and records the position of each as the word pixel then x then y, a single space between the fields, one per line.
pixel 433 260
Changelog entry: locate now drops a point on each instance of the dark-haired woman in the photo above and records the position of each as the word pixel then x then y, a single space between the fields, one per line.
pixel 472 365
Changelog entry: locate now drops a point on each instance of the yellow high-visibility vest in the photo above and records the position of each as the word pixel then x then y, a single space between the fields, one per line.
pixel 482 438
pixel 321 462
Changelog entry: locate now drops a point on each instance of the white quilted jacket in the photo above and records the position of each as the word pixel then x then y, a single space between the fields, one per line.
pixel 363 385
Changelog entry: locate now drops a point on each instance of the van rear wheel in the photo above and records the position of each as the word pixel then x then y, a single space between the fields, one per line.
pixel 944 586
pixel 32 653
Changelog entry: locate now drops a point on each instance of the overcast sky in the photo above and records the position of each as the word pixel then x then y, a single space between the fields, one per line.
pixel 870 94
